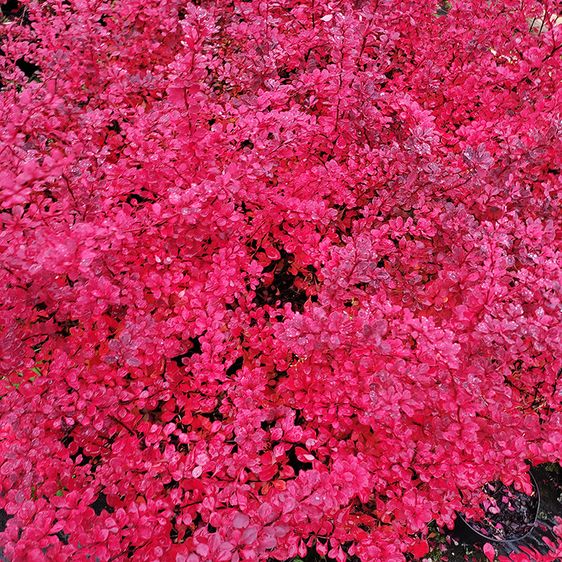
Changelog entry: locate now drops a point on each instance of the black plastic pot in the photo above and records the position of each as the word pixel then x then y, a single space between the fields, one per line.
pixel 469 534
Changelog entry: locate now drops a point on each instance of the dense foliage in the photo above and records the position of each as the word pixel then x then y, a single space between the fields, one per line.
pixel 275 274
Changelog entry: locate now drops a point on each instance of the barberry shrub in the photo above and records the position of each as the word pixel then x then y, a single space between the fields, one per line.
pixel 276 275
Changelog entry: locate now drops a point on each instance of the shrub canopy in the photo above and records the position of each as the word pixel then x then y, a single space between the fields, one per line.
pixel 275 274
